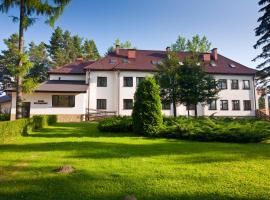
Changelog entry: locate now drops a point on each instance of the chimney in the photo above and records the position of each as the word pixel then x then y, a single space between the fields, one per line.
pixel 79 59
pixel 206 57
pixel 168 49
pixel 214 54
pixel 117 49
pixel 132 53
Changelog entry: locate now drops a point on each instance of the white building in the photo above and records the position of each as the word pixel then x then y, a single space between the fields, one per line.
pixel 110 83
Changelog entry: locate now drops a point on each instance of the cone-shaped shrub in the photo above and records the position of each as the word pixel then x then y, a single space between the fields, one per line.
pixel 146 115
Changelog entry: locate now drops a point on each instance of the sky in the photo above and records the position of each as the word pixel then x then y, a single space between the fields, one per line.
pixel 153 24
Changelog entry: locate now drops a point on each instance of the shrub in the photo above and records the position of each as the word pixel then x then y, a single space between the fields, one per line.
pixel 12 129
pixel 222 130
pixel 146 115
pixel 116 124
pixel 4 117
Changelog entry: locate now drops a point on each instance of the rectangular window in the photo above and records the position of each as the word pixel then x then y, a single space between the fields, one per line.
pixel 246 85
pixel 191 107
pixel 247 105
pixel 128 104
pixel 224 105
pixel 235 105
pixel 128 81
pixel 222 84
pixel 101 81
pixel 101 104
pixel 235 85
pixel 139 80
pixel 212 105
pixel 166 106
pixel 63 101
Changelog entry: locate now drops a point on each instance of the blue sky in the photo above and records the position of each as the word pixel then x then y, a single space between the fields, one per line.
pixel 154 24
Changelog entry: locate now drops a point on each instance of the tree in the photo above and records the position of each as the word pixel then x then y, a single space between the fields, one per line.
pixel 29 8
pixel 126 45
pixel 146 115
pixel 41 62
pixel 196 86
pixel 90 51
pixel 195 45
pixel 263 32
pixel 167 77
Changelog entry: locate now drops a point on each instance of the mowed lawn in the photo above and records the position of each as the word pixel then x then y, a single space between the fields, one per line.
pixel 111 166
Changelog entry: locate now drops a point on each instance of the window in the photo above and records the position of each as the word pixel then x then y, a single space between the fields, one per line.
pixel 191 107
pixel 246 85
pixel 101 81
pixel 235 105
pixel 166 106
pixel 63 101
pixel 128 104
pixel 222 84
pixel 212 105
pixel 224 105
pixel 235 85
pixel 128 81
pixel 101 104
pixel 247 105
pixel 139 80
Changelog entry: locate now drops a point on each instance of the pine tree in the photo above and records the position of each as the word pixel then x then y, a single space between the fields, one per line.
pixel 90 51
pixel 263 31
pixel 146 115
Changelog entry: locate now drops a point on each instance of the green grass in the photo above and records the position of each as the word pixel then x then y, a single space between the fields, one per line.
pixel 111 166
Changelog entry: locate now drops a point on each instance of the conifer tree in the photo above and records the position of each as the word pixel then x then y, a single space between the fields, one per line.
pixel 90 51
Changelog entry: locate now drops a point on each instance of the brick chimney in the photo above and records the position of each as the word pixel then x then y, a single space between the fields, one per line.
pixel 214 54
pixel 117 49
pixel 79 59
pixel 132 53
pixel 168 49
pixel 206 57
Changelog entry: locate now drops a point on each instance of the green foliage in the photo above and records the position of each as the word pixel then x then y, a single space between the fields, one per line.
pixel 261 103
pixel 116 124
pixel 168 76
pixel 220 129
pixel 146 115
pixel 13 129
pixel 4 117
pixel 199 87
pixel 65 48
pixel 263 43
pixel 195 45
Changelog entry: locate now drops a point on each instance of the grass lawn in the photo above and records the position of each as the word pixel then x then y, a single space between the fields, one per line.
pixel 113 166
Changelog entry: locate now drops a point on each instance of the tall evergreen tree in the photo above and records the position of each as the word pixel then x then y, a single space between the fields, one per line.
pixel 28 9
pixel 263 31
pixel 90 51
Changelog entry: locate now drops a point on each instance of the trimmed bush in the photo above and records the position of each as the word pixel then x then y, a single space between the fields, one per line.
pixel 4 117
pixel 12 129
pixel 222 129
pixel 116 124
pixel 146 115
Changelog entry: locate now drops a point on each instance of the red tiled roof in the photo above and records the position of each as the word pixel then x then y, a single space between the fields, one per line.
pixel 144 62
pixel 76 67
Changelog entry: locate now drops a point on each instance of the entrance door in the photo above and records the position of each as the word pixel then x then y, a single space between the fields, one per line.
pixel 26 109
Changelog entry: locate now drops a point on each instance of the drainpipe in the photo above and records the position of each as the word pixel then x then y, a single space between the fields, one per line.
pixel 254 94
pixel 88 98
pixel 118 96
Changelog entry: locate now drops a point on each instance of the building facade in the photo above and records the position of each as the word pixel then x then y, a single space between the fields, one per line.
pixel 110 83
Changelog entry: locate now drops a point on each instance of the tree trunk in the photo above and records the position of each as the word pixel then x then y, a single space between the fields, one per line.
pixel 196 111
pixel 174 108
pixel 21 48
pixel 188 112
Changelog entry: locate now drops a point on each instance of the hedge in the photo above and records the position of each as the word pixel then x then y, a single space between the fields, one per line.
pixel 12 129
pixel 4 117
pixel 244 130
pixel 116 124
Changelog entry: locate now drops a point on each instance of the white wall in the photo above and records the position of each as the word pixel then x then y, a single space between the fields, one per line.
pixel 67 77
pixel 5 107
pixel 42 109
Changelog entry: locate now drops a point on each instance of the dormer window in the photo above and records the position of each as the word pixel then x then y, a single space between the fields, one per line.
pixel 154 62
pixel 213 63
pixel 232 65
pixel 125 60
pixel 113 61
